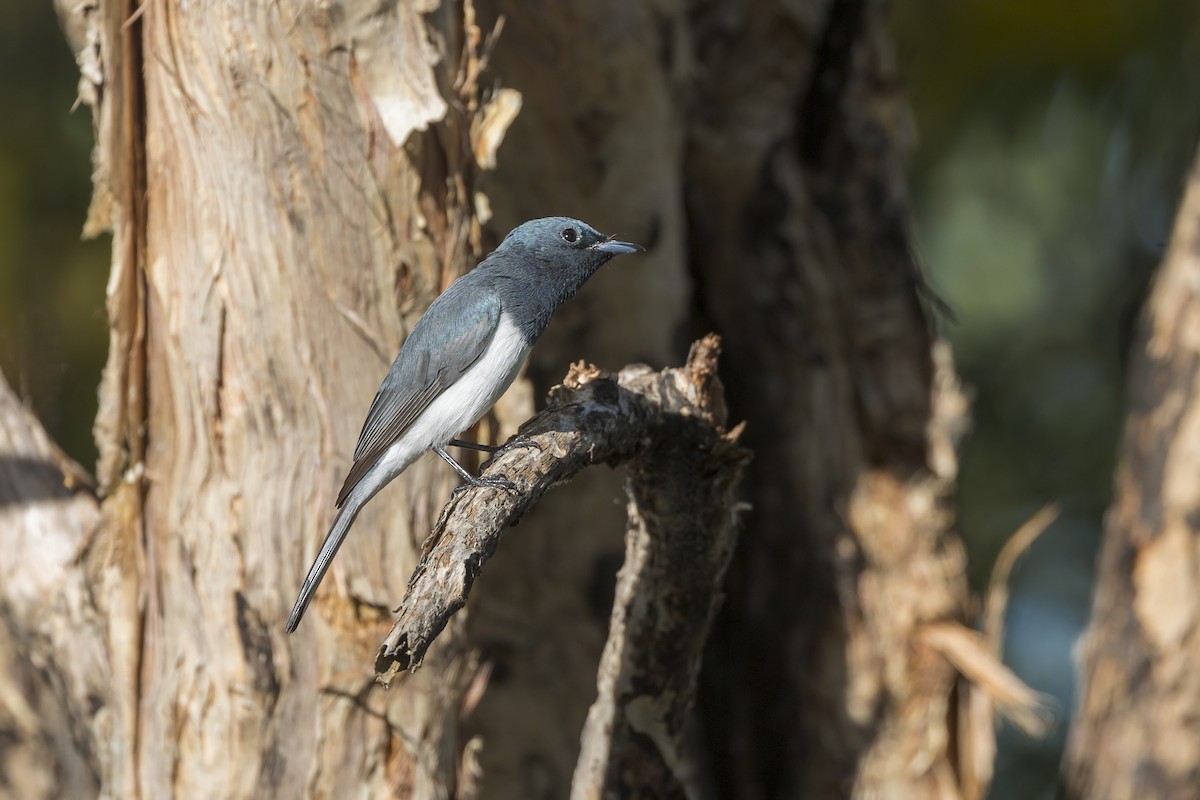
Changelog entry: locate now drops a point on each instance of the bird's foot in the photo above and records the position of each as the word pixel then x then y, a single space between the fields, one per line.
pixel 518 443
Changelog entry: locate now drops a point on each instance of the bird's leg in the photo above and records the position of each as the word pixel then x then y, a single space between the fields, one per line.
pixel 483 448
pixel 468 478
pixel 519 441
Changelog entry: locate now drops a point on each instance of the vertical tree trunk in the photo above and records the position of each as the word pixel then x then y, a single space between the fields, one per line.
pixel 797 219
pixel 288 186
pixel 1135 732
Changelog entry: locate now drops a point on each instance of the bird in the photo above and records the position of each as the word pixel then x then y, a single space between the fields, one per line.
pixel 463 353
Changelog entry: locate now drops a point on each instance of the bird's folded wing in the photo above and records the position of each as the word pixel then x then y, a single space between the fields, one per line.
pixel 451 336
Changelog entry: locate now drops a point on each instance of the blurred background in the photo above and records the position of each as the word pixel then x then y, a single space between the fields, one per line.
pixel 1053 139
pixel 1052 142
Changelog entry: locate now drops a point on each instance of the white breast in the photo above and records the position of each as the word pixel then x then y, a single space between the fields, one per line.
pixel 477 390
pixel 460 406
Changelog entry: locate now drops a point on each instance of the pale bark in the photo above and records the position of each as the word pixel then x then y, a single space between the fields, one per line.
pixel 54 646
pixel 1135 732
pixel 276 178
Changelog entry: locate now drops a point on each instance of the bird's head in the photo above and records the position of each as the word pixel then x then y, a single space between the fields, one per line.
pixel 564 252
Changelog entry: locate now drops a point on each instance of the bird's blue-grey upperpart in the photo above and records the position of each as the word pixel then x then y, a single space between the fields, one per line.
pixel 460 357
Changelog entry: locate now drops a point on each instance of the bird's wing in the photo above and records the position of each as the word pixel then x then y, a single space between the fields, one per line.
pixel 445 342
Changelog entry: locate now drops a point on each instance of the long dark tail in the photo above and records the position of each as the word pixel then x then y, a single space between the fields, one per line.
pixel 333 540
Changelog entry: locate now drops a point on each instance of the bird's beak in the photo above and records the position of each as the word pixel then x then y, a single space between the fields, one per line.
pixel 615 248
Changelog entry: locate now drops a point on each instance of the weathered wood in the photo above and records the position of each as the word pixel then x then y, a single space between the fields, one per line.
pixel 683 521
pixel 592 418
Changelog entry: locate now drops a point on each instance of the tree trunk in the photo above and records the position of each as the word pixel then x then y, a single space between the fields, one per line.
pixel 288 186
pixel 1135 732
pixel 797 219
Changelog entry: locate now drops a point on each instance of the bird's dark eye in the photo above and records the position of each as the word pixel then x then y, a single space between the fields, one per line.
pixel 569 235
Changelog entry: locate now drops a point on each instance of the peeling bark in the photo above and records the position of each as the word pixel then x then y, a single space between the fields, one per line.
pixel 288 186
pixel 1135 732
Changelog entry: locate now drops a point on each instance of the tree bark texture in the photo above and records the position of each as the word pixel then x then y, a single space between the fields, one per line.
pixel 288 185
pixel 54 743
pixel 682 527
pixel 1135 732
